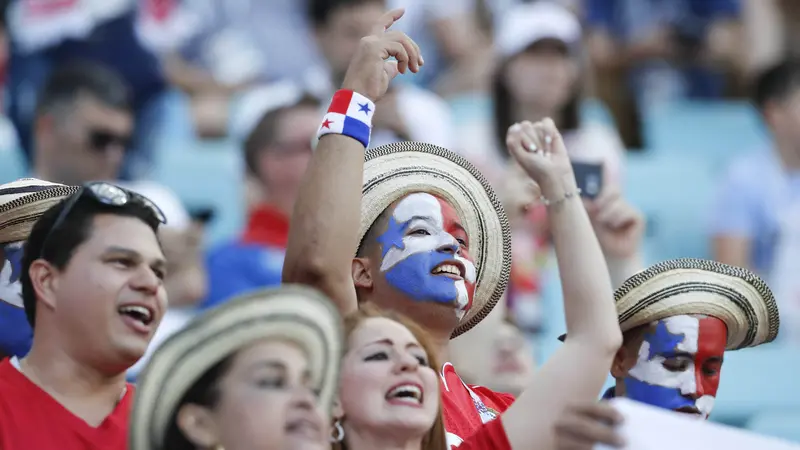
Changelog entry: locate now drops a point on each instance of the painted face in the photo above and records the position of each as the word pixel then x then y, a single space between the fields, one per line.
pixel 10 271
pixel 679 364
pixel 425 253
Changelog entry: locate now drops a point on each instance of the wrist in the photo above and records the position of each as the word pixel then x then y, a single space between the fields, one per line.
pixel 349 114
pixel 557 187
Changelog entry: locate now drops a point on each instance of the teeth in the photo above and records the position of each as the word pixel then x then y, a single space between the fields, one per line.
pixel 448 268
pixel 139 311
pixel 406 391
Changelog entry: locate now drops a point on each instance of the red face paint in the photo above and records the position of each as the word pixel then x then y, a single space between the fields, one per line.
pixel 711 341
pixel 453 226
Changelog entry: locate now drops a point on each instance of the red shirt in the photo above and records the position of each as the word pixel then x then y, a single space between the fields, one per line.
pixel 491 435
pixel 467 408
pixel 31 419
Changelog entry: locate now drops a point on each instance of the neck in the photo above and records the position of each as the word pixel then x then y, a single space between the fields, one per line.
pixel 281 203
pixel 441 345
pixel 87 392
pixel 382 440
pixel 789 153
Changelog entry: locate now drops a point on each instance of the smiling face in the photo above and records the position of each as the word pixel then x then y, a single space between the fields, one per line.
pixel 424 253
pixel 678 364
pixel 387 384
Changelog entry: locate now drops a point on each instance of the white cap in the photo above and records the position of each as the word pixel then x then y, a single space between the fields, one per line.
pixel 253 105
pixel 526 24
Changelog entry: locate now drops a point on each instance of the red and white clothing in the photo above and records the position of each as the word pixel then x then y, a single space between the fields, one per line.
pixel 31 419
pixel 468 410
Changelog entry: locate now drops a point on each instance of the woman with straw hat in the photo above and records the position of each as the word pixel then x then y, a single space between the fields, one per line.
pixel 431 241
pixel 678 318
pixel 22 202
pixel 260 371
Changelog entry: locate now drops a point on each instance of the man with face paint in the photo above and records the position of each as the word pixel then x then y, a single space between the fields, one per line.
pixel 678 318
pixel 431 241
pixel 22 202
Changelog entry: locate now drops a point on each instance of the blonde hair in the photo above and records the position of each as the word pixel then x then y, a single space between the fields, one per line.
pixel 435 438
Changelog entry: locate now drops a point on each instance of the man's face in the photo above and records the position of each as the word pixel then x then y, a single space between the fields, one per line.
pixel 678 364
pixel 282 164
pixel 86 145
pixel 109 299
pixel 339 37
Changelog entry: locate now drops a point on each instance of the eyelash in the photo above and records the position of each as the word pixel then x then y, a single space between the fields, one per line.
pixel 127 263
pixel 384 357
pixel 423 232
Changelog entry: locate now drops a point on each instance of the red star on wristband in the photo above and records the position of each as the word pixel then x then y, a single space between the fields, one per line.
pixel 327 124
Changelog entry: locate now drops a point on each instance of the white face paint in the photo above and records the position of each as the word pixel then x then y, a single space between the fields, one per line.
pixel 11 291
pixel 416 242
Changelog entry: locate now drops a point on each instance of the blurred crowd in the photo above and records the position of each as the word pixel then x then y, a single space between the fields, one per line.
pixel 684 116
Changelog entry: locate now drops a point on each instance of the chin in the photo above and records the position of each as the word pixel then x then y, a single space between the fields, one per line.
pixel 412 422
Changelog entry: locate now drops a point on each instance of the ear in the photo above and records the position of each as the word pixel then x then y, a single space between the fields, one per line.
pixel 198 425
pixel 361 272
pixel 44 278
pixel 337 410
pixel 624 360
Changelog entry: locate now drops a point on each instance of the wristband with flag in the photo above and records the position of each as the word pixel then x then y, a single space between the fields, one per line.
pixel 350 114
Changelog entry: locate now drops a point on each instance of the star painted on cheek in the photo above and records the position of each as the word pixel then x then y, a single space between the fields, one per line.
pixel 661 340
pixel 392 237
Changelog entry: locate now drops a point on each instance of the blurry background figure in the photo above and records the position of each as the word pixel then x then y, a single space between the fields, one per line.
pixel 47 35
pixel 756 218
pixel 277 125
pixel 406 112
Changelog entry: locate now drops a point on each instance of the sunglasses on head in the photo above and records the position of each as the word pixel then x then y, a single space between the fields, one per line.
pixel 105 194
pixel 100 140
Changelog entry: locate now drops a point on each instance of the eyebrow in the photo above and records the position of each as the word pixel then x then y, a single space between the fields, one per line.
pixel 390 342
pixel 279 366
pixel 157 263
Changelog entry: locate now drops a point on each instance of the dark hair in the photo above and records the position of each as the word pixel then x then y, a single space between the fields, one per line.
pixel 505 108
pixel 204 392
pixel 78 79
pixel 264 133
pixel 776 83
pixel 74 231
pixel 319 11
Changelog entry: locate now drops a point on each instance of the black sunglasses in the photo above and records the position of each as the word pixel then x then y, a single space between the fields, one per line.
pixel 101 140
pixel 106 194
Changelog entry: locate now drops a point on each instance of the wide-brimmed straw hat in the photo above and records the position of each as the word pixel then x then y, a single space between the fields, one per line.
pixel 686 286
pixel 292 313
pixel 392 171
pixel 23 201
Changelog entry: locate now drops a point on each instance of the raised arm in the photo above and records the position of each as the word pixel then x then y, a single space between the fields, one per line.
pixel 324 227
pixel 577 371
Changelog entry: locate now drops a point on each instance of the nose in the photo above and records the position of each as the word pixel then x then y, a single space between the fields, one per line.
pixel 406 363
pixel 304 398
pixel 146 281
pixel 449 245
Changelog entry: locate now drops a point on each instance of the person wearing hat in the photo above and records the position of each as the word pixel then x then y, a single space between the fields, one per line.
pixel 678 318
pixel 261 369
pixel 92 277
pixel 431 240
pixel 22 202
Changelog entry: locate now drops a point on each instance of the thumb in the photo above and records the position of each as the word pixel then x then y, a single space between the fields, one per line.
pixel 391 69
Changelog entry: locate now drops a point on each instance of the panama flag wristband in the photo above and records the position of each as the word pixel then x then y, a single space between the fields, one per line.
pixel 350 114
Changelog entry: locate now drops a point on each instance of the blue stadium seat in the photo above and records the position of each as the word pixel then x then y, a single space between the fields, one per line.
pixel 12 165
pixel 715 131
pixel 758 380
pixel 674 193
pixel 207 174
pixel 779 424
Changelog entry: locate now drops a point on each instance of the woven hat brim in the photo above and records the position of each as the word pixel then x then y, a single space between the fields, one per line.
pixel 738 297
pixel 293 313
pixel 395 170
pixel 18 216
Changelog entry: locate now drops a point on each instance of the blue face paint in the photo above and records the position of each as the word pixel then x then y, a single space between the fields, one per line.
pixel 414 244
pixel 15 332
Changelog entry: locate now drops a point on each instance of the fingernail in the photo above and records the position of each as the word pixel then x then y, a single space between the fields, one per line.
pixel 532 148
pixel 548 139
pixel 421 60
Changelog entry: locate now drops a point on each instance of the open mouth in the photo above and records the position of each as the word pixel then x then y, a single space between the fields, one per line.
pixel 689 410
pixel 138 316
pixel 406 394
pixel 304 428
pixel 453 269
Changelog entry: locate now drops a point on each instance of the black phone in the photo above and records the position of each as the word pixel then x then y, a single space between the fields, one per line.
pixel 589 177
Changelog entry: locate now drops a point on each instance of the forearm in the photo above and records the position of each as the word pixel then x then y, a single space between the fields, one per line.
pixel 588 293
pixel 324 228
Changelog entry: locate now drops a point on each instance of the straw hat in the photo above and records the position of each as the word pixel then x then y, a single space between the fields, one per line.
pixel 23 201
pixel 295 313
pixel 395 170
pixel 734 295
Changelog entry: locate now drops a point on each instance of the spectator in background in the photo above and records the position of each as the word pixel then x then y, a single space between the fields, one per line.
pixel 756 218
pixel 92 287
pixel 406 112
pixel 279 135
pixel 48 35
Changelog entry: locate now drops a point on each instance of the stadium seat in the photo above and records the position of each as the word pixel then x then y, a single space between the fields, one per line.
pixel 715 131
pixel 779 424
pixel 758 380
pixel 674 194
